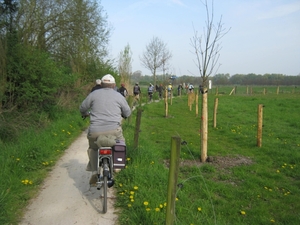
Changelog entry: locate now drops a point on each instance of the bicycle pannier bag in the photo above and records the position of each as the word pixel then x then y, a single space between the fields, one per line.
pixel 119 154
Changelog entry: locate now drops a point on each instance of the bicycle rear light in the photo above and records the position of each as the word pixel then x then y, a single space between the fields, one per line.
pixel 105 151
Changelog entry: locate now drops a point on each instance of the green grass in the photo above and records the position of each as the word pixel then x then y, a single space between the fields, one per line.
pixel 26 161
pixel 263 192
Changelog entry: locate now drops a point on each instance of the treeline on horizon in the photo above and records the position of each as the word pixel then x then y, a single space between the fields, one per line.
pixel 223 79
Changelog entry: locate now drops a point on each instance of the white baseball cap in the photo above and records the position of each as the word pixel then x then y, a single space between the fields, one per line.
pixel 98 81
pixel 108 79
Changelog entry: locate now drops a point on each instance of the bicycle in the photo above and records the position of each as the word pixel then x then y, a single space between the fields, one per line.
pixel 109 159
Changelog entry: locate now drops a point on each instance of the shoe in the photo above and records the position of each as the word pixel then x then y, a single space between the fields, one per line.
pixel 93 180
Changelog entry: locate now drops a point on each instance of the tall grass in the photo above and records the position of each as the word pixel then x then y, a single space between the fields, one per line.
pixel 264 190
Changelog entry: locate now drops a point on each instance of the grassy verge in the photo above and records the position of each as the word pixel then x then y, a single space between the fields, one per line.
pixel 243 185
pixel 26 161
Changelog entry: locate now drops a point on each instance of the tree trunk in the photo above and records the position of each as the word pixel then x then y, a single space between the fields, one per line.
pixel 204 127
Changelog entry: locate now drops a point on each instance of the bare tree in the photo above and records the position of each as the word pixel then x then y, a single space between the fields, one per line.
pixel 156 56
pixel 125 66
pixel 207 50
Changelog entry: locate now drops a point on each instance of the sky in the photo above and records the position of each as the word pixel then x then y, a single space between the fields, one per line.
pixel 263 36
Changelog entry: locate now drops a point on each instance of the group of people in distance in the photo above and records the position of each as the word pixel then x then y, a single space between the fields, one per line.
pixel 106 105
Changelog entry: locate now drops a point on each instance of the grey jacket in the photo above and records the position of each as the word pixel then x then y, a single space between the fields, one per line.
pixel 107 107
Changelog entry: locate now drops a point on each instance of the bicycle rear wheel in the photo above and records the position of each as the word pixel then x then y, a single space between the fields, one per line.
pixel 103 195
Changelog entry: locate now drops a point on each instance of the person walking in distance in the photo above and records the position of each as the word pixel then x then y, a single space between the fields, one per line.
pixel 136 90
pixel 170 88
pixel 106 108
pixel 150 91
pixel 97 86
pixel 160 90
pixel 123 90
pixel 179 89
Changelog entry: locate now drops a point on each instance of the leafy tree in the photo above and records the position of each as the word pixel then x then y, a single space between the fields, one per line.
pixel 125 65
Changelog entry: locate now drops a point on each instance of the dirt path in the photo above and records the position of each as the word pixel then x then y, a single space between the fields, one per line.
pixel 66 198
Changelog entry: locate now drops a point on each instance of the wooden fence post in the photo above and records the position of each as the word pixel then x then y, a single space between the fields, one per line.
pixel 259 124
pixel 232 91
pixel 197 105
pixel 215 112
pixel 173 177
pixel 166 103
pixel 137 127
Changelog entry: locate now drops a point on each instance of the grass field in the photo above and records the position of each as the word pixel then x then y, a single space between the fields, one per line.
pixel 26 161
pixel 244 184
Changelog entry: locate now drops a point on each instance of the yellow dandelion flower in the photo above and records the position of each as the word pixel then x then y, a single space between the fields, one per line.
pixel 176 199
pixel 243 212
pixel 157 209
pixel 146 203
pixel 18 159
pixel 132 192
pixel 129 205
pixel 128 159
pixel 278 171
pixel 63 130
pixel 165 204
pixel 120 185
pixel 148 209
pixel 132 200
pixel 199 209
pixel 131 196
pixel 272 220
pixel 135 187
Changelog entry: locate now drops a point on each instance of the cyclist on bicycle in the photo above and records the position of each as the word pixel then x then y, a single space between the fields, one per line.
pixel 106 107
